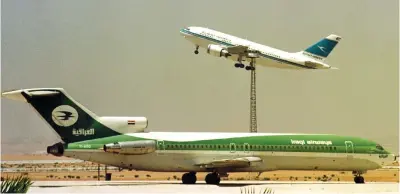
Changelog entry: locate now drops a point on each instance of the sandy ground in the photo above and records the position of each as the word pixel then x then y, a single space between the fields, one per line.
pixel 372 176
pixel 382 175
pixel 230 187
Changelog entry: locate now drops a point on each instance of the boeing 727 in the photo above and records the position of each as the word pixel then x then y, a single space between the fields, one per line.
pixel 237 49
pixel 123 142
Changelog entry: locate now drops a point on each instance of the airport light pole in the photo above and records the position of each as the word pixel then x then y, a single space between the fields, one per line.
pixel 253 100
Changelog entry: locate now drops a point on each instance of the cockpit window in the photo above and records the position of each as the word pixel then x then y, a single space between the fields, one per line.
pixel 379 147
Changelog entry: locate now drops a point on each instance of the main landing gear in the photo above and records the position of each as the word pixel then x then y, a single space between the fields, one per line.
pixel 189 178
pixel 211 178
pixel 358 179
pixel 251 66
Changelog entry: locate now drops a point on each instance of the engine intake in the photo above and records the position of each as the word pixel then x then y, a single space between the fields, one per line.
pixel 56 149
pixel 131 147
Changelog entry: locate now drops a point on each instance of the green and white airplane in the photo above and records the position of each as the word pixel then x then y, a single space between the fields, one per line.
pixel 124 143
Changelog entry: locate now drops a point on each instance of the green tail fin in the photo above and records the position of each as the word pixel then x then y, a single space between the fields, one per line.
pixel 72 121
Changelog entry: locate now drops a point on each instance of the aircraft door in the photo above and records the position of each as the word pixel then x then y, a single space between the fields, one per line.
pixel 246 148
pixel 232 147
pixel 160 146
pixel 349 148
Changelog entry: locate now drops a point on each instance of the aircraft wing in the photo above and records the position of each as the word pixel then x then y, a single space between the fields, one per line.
pixel 230 163
pixel 239 49
pixel 242 50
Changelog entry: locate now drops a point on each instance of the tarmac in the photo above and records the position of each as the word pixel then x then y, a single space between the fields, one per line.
pixel 231 187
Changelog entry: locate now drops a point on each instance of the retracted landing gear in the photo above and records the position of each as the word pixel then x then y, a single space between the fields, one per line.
pixel 189 178
pixel 358 179
pixel 213 178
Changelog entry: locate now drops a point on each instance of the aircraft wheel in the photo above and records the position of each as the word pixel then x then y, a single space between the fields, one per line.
pixel 248 68
pixel 237 65
pixel 359 180
pixel 189 178
pixel 196 52
pixel 213 178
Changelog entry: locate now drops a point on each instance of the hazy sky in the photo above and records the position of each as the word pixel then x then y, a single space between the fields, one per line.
pixel 127 58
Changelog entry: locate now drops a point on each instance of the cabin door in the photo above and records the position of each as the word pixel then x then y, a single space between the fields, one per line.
pixel 349 148
pixel 160 146
pixel 232 148
pixel 246 148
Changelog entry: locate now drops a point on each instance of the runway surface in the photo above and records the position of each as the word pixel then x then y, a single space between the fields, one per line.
pixel 231 187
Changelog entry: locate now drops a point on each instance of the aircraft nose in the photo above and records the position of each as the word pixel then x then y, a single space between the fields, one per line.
pixel 184 31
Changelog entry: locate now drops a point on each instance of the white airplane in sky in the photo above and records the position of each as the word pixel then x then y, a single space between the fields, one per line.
pixel 237 49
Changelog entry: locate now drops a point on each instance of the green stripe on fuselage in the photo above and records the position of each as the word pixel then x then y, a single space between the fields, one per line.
pixel 281 143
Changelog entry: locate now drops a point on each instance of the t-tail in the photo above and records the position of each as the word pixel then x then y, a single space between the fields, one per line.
pixel 321 50
pixel 72 121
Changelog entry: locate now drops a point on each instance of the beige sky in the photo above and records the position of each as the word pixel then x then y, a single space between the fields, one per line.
pixel 127 58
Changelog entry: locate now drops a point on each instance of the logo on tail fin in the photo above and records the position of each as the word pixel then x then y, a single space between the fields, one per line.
pixel 64 115
pixel 322 48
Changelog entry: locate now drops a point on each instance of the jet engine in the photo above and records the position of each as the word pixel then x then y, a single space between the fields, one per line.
pixel 218 51
pixel 131 147
pixel 56 149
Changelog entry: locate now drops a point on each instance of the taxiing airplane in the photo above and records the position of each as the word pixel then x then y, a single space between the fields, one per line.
pixel 237 49
pixel 123 142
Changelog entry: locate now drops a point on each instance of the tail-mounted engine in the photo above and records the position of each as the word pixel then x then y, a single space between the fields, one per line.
pixel 131 147
pixel 218 51
pixel 56 149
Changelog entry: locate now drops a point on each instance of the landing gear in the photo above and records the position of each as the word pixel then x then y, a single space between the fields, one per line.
pixel 197 50
pixel 248 68
pixel 239 65
pixel 189 178
pixel 252 65
pixel 213 178
pixel 358 179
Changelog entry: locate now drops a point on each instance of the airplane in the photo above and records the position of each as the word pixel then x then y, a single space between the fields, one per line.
pixel 123 142
pixel 237 49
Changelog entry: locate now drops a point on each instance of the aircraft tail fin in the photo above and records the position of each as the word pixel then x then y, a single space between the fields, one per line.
pixel 71 120
pixel 321 50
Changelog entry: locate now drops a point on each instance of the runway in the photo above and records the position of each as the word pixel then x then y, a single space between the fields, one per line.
pixel 231 187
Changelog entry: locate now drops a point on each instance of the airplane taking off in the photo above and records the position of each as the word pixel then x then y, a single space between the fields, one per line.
pixel 122 142
pixel 237 49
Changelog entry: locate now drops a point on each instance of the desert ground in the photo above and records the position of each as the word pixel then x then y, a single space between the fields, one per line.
pixel 73 171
